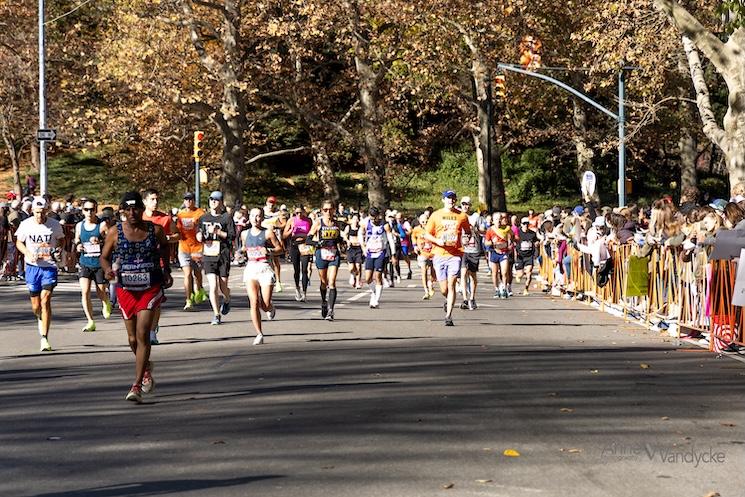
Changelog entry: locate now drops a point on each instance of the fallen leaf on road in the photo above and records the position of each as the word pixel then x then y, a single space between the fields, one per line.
pixel 448 486
pixel 644 366
pixel 566 409
pixel 327 467
pixel 729 425
pixel 713 494
pixel 665 418
pixel 571 451
pixel 511 453
pixel 484 481
pixel 218 442
pixel 594 371
pixel 552 394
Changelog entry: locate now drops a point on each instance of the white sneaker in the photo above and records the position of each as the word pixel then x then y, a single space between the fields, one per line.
pixel 44 346
pixel 298 295
pixel 386 283
pixel 259 339
pixel 351 280
pixel 271 313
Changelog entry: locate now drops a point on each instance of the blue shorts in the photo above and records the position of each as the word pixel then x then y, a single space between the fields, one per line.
pixel 446 266
pixel 405 250
pixel 496 258
pixel 375 263
pixel 40 278
pixel 324 264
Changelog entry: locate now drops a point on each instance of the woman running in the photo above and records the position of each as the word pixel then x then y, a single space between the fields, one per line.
pixel 354 251
pixel 328 234
pixel 258 275
pixel 296 230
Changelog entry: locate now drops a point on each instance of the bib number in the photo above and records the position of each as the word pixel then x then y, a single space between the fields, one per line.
pixel 328 254
pixel 449 239
pixel 375 245
pixel 211 248
pixel 526 246
pixel 135 281
pixel 44 253
pixel 187 223
pixel 304 249
pixel 92 249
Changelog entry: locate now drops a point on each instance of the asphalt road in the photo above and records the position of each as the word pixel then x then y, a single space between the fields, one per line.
pixel 384 402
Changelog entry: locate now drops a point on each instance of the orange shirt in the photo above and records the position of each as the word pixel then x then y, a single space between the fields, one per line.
pixel 425 246
pixel 188 224
pixel 447 225
pixel 161 219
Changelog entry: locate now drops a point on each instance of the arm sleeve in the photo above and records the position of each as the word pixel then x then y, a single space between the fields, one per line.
pixel 230 230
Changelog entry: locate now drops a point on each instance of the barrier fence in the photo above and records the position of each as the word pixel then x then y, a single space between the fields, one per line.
pixel 666 288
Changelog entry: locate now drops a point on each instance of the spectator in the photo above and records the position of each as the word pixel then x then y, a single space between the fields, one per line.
pixel 733 214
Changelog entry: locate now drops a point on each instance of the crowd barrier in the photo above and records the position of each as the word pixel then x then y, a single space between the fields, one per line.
pixel 690 295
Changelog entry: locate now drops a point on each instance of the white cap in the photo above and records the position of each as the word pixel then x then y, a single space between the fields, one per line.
pixel 465 200
pixel 599 221
pixel 549 214
pixel 524 220
pixel 38 203
pixel 283 207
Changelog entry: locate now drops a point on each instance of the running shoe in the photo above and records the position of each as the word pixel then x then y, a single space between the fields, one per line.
pixel 189 305
pixel 449 321
pixel 106 310
pixel 471 305
pixel 303 298
pixel 526 292
pixel 148 383
pixel 271 313
pixel 351 280
pixel 359 286
pixel 408 276
pixel 298 295
pixel 426 296
pixel 398 278
pixel 324 309
pixel 216 320
pixel 509 293
pixel 278 287
pixel 91 326
pixel 154 338
pixel 259 339
pixel 431 292
pixel 464 305
pixel 330 316
pixel 135 394
pixel 497 294
pixel 44 346
pixel 200 296
pixel 386 283
pixel 225 307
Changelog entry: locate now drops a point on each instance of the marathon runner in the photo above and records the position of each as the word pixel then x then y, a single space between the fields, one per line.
pixel 190 251
pixel 403 228
pixel 258 274
pixel 296 231
pixel 375 235
pixel 444 230
pixel 525 248
pixel 328 256
pixel 273 220
pixel 89 236
pixel 500 241
pixel 40 240
pixel 471 256
pixel 141 264
pixel 152 214
pixel 423 250
pixel 355 257
pixel 216 231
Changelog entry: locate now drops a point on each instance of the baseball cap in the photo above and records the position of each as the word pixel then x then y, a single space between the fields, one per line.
pixel 579 210
pixel 465 200
pixel 718 204
pixel 272 199
pixel 283 207
pixel 38 203
pixel 525 220
pixel 132 199
pixel 216 195
pixel 449 194
pixel 189 196
pixel 599 221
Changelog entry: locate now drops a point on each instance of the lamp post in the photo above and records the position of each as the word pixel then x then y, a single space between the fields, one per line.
pixel 42 103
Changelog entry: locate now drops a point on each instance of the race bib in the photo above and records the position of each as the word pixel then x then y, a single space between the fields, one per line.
pixel 375 245
pixel 44 252
pixel 92 249
pixel 328 254
pixel 256 254
pixel 187 223
pixel 211 248
pixel 135 281
pixel 196 256
pixel 304 249
pixel 526 246
pixel 450 239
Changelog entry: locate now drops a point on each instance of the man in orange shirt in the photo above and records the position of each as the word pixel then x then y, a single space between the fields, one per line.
pixel 190 251
pixel 444 229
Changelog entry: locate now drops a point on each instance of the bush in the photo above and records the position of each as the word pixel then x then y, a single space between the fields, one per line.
pixel 534 175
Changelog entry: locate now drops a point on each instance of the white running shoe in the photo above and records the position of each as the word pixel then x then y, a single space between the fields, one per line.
pixel 351 280
pixel 259 339
pixel 298 295
pixel 44 346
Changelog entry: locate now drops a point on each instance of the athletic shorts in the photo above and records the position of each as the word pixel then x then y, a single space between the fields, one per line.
pixel 376 263
pixel 324 264
pixel 259 271
pixel 522 261
pixel 471 262
pixel 219 266
pixel 496 258
pixel 405 250
pixel 423 261
pixel 354 255
pixel 446 266
pixel 187 259
pixel 40 278
pixel 131 302
pixel 92 273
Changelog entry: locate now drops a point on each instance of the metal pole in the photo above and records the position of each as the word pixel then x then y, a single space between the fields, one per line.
pixel 488 142
pixel 196 181
pixel 42 103
pixel 621 140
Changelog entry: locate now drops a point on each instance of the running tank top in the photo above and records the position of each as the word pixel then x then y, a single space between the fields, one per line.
pixel 91 240
pixel 300 227
pixel 329 236
pixel 139 262
pixel 255 246
pixel 375 240
pixel 354 236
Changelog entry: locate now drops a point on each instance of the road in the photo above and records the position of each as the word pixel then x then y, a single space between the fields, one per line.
pixel 529 396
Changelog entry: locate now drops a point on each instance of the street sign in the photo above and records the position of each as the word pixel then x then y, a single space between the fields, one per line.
pixel 46 135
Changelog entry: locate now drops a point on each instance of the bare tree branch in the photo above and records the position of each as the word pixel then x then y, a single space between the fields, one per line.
pixel 266 155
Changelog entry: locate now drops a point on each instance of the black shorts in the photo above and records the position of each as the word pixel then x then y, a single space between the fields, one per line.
pixel 376 263
pixel 219 265
pixel 92 273
pixel 354 255
pixel 471 262
pixel 523 260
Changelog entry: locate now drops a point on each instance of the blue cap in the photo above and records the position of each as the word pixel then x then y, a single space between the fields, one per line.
pixel 579 210
pixel 216 195
pixel 449 194
pixel 719 204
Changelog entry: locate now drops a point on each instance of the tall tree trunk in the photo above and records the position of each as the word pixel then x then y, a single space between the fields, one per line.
pixel 582 148
pixel 688 155
pixel 368 81
pixel 325 172
pixel 35 161
pixel 13 153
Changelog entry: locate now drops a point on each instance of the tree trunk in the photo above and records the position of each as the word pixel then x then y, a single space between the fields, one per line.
pixel 233 175
pixel 688 156
pixel 35 161
pixel 325 172
pixel 13 153
pixel 584 151
pixel 368 87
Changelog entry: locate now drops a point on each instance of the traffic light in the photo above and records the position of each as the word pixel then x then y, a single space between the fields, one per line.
pixel 198 145
pixel 499 85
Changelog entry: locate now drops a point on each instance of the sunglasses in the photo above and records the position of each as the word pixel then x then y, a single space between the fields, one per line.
pixel 88 209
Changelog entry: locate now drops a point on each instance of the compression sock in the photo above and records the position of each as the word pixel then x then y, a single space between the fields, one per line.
pixel 332 299
pixel 323 294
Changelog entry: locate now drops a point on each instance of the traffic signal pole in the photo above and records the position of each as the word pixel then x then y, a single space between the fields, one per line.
pixel 489 125
pixel 198 153
pixel 620 117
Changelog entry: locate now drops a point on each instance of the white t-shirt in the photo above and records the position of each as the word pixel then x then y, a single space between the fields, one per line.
pixel 40 239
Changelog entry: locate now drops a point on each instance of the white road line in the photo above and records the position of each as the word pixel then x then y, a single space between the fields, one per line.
pixel 411 286
pixel 359 296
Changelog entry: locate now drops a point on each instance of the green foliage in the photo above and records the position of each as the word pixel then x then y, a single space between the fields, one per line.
pixel 533 175
pixel 734 10
pixel 714 186
pixel 86 175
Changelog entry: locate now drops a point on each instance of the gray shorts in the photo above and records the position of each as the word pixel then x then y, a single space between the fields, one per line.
pixel 187 259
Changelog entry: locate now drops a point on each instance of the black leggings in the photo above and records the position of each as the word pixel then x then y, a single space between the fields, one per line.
pixel 299 263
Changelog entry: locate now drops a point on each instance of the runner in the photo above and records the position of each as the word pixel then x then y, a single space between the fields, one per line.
pixel 141 265
pixel 355 257
pixel 327 256
pixel 403 227
pixel 190 252
pixel 374 236
pixel 296 230
pixel 444 230
pixel 40 240
pixel 423 249
pixel 217 232
pixel 471 256
pixel 500 240
pixel 89 236
pixel 152 214
pixel 258 275
pixel 525 248
pixel 273 220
